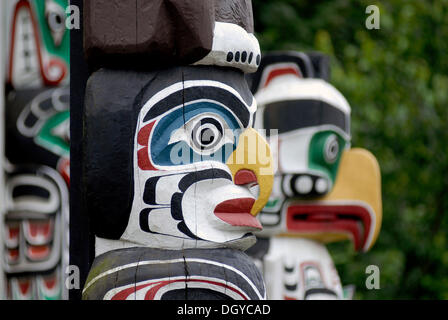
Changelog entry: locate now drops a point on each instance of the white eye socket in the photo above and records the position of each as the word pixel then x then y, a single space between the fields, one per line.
pixel 331 149
pixel 205 134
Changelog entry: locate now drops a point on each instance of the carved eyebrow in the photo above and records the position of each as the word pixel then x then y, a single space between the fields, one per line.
pixel 296 114
pixel 201 92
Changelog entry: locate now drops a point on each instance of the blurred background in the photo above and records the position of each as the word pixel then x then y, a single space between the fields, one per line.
pixel 396 81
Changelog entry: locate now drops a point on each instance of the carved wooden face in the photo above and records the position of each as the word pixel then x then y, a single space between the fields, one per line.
pixel 178 155
pixel 312 135
pixel 323 189
pixel 39 51
pixel 185 190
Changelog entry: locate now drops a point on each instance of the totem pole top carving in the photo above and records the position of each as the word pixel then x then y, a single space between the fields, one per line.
pixel 148 34
pixel 324 190
pixel 164 143
pixel 173 177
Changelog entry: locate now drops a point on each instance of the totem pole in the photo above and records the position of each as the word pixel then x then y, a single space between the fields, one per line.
pixel 324 190
pixel 2 139
pixel 174 174
pixel 35 212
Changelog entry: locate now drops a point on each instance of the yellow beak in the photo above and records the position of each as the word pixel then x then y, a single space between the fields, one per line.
pixel 359 179
pixel 253 154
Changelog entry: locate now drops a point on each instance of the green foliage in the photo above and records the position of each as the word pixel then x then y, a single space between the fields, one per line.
pixel 396 81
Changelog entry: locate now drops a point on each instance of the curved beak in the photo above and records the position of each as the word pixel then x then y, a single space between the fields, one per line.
pixel 359 179
pixel 352 210
pixel 253 156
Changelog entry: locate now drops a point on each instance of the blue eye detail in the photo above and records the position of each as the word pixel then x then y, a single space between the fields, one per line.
pixel 197 132
pixel 204 134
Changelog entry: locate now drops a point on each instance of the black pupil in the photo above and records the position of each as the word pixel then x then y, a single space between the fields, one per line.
pixel 207 133
pixel 207 136
pixel 333 148
pixel 56 18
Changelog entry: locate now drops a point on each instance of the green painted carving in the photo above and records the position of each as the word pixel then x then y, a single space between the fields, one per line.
pixel 55 36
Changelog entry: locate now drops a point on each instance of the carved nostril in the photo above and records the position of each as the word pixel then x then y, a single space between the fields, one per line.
pixel 245 176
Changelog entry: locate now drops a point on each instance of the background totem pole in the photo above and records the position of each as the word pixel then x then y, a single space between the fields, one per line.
pixel 35 211
pixel 173 173
pixel 324 190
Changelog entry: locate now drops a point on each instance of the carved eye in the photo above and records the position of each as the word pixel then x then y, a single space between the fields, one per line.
pixel 55 16
pixel 56 20
pixel 331 149
pixel 205 134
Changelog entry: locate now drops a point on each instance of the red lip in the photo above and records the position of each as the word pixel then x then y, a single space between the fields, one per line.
pixel 236 212
pixel 352 219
